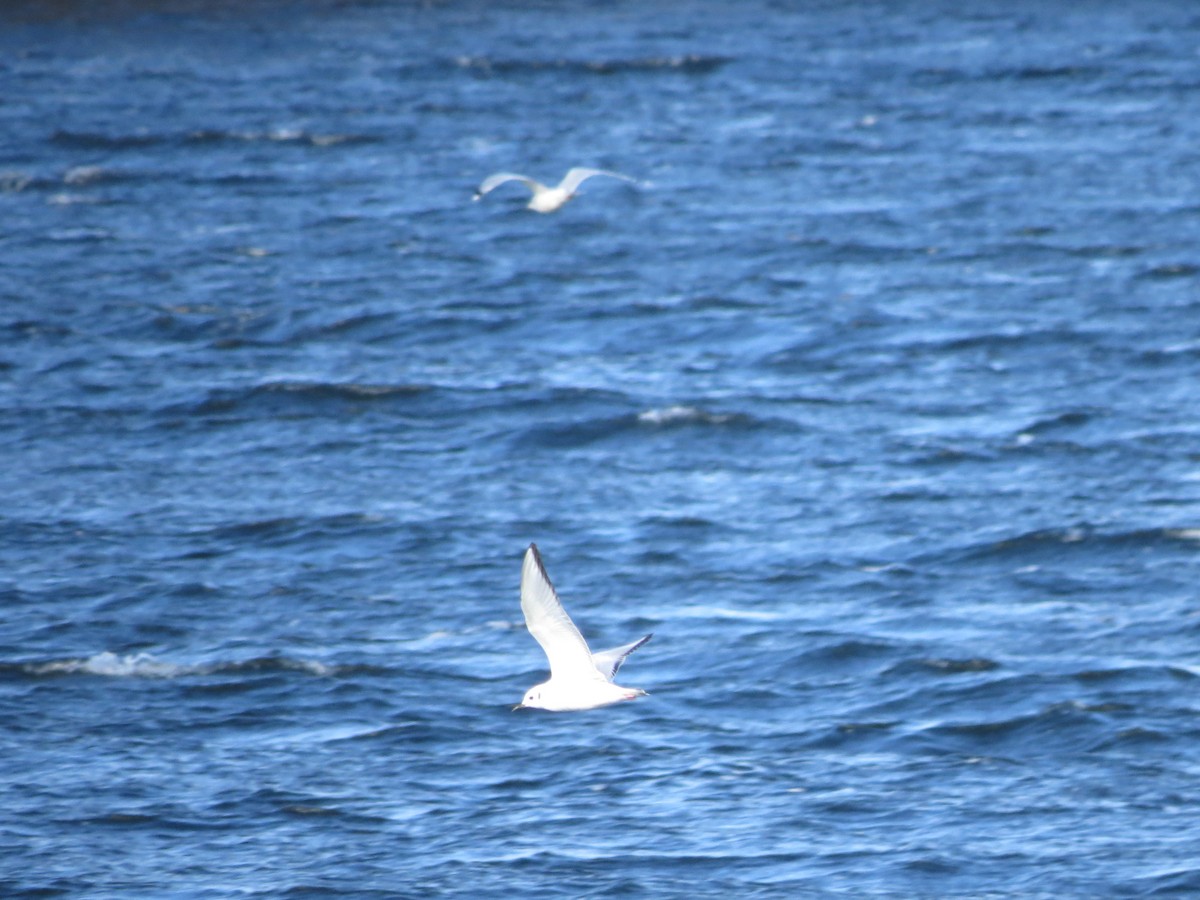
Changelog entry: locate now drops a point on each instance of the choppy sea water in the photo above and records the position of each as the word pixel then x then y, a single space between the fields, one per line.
pixel 877 401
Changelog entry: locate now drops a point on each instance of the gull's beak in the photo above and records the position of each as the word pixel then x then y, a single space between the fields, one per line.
pixel 518 706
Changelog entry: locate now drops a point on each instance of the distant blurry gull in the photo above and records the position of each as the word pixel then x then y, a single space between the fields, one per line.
pixel 579 679
pixel 547 199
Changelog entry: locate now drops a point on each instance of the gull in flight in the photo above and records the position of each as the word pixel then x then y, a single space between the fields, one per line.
pixel 579 678
pixel 547 199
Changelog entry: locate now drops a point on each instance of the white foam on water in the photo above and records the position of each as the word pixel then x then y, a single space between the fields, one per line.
pixel 671 415
pixel 136 665
pixel 146 665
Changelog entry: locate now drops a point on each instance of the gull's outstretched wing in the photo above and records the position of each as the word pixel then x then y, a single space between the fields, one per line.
pixel 549 623
pixel 608 661
pixel 494 181
pixel 576 177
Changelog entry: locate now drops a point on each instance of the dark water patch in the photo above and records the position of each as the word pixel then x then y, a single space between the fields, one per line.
pixel 938 76
pixel 285 531
pixel 1064 421
pixel 939 454
pixel 1047 73
pixel 37 328
pixel 575 434
pixel 679 523
pixel 218 326
pixel 940 666
pixel 860 736
pixel 1058 728
pixel 1169 271
pixel 315 889
pixel 666 421
pixel 1023 339
pixel 366 327
pixel 842 656
pixel 307 811
pixel 848 253
pixel 921 493
pixel 122 818
pixel 850 350
pixel 1167 676
pixel 1105 251
pixel 859 728
pixel 95 141
pixel 1181 880
pixel 166 818
pixel 725 302
pixel 686 64
pixel 1171 355
pixel 1137 739
pixel 141 139
pixel 302 400
pixel 272 664
pixel 97 235
pixel 41 532
pixel 234 180
pixel 1082 537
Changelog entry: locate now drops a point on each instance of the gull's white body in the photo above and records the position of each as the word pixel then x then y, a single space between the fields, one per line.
pixel 546 199
pixel 579 679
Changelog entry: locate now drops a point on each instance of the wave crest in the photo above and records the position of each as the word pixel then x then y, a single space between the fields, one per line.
pixel 681 415
pixel 145 665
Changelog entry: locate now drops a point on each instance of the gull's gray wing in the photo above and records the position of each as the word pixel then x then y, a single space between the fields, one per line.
pixel 608 661
pixel 494 181
pixel 576 177
pixel 549 623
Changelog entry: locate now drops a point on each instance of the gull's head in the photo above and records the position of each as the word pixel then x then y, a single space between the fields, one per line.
pixel 532 699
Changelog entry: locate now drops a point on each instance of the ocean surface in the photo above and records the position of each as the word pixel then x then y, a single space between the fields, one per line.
pixel 877 400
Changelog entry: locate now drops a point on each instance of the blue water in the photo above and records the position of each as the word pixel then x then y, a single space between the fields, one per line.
pixel 878 401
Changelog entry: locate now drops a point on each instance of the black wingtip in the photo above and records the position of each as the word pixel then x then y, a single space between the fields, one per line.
pixel 541 566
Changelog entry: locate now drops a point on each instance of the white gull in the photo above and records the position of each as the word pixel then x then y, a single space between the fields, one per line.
pixel 547 199
pixel 579 679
